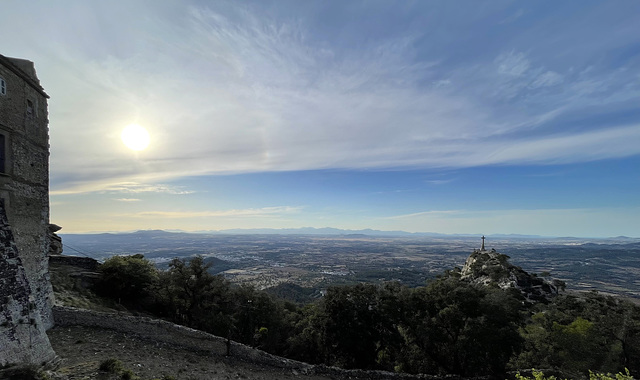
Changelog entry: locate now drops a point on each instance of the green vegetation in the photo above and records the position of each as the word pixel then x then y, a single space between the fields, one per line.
pixel 115 367
pixel 539 375
pixel 447 326
pixel 111 365
pixel 127 278
pixel 30 372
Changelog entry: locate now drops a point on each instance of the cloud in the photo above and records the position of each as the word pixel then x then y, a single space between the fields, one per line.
pixel 226 88
pixel 135 188
pixel 512 63
pixel 109 187
pixel 251 212
pixel 549 78
pixel 579 222
pixel 513 17
pixel 128 199
pixel 567 148
pixel 439 181
pixel 433 213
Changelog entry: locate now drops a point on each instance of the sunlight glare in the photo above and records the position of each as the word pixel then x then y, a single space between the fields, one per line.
pixel 135 137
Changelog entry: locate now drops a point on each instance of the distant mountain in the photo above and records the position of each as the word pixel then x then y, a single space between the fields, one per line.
pixel 317 231
pixel 330 231
pixel 516 236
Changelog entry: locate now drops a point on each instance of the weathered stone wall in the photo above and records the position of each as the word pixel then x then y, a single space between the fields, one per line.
pixel 22 330
pixel 24 182
pixel 77 262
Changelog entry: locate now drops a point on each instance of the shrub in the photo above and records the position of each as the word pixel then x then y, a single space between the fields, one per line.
pixel 608 376
pixel 30 372
pixel 128 374
pixel 538 375
pixel 111 365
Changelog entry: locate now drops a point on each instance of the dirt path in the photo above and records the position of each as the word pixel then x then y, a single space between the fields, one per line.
pixel 84 348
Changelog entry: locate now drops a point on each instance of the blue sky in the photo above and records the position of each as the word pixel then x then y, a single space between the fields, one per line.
pixel 424 116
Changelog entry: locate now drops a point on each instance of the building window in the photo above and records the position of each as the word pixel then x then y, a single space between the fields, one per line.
pixel 3 87
pixel 29 107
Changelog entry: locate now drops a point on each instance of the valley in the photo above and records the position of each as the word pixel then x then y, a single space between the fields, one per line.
pixel 314 262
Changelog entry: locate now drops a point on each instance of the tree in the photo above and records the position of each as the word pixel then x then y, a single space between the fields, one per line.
pixel 579 333
pixel 258 320
pixel 459 328
pixel 127 278
pixel 191 295
pixel 358 326
pixel 305 342
pixel 350 336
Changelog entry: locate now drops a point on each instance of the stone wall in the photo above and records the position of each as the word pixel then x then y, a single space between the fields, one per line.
pixel 22 331
pixel 24 189
pixel 78 262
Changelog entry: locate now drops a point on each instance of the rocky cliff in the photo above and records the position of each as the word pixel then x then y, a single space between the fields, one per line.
pixel 491 268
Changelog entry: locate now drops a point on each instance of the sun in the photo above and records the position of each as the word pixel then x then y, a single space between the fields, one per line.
pixel 135 137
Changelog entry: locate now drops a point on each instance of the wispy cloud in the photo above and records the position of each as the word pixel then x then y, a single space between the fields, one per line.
pixel 439 181
pixel 135 188
pixel 588 222
pixel 252 212
pixel 547 79
pixel 109 187
pixel 512 63
pixel 128 199
pixel 433 213
pixel 513 17
pixel 228 88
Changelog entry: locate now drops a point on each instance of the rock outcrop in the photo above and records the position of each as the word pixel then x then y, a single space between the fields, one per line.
pixel 55 241
pixel 491 268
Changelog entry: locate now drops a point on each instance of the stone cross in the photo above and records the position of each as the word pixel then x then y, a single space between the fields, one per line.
pixel 482 249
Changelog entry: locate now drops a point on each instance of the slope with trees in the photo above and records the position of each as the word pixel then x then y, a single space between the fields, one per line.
pixel 448 326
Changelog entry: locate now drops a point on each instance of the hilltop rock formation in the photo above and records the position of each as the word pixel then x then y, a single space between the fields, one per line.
pixel 55 241
pixel 491 268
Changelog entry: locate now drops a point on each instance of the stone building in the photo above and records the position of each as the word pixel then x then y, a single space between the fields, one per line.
pixel 26 296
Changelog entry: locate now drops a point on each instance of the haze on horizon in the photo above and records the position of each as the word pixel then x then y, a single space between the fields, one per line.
pixel 449 117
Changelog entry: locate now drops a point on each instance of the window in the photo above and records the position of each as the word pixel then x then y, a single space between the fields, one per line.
pixel 29 107
pixel 3 87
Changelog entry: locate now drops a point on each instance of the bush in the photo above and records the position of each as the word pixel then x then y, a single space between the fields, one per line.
pixel 538 375
pixel 128 374
pixel 30 372
pixel 111 365
pixel 608 376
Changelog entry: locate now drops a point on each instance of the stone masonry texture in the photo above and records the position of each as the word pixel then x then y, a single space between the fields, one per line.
pixel 22 332
pixel 24 190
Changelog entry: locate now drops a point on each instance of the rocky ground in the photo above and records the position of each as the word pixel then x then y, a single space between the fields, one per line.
pixel 82 349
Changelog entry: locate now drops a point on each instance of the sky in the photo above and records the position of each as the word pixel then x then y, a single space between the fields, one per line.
pixel 424 116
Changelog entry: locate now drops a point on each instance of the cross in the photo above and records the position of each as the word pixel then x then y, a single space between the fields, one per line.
pixel 482 249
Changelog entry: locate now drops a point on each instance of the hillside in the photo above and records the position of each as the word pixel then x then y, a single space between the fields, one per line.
pixel 470 321
pixel 83 349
